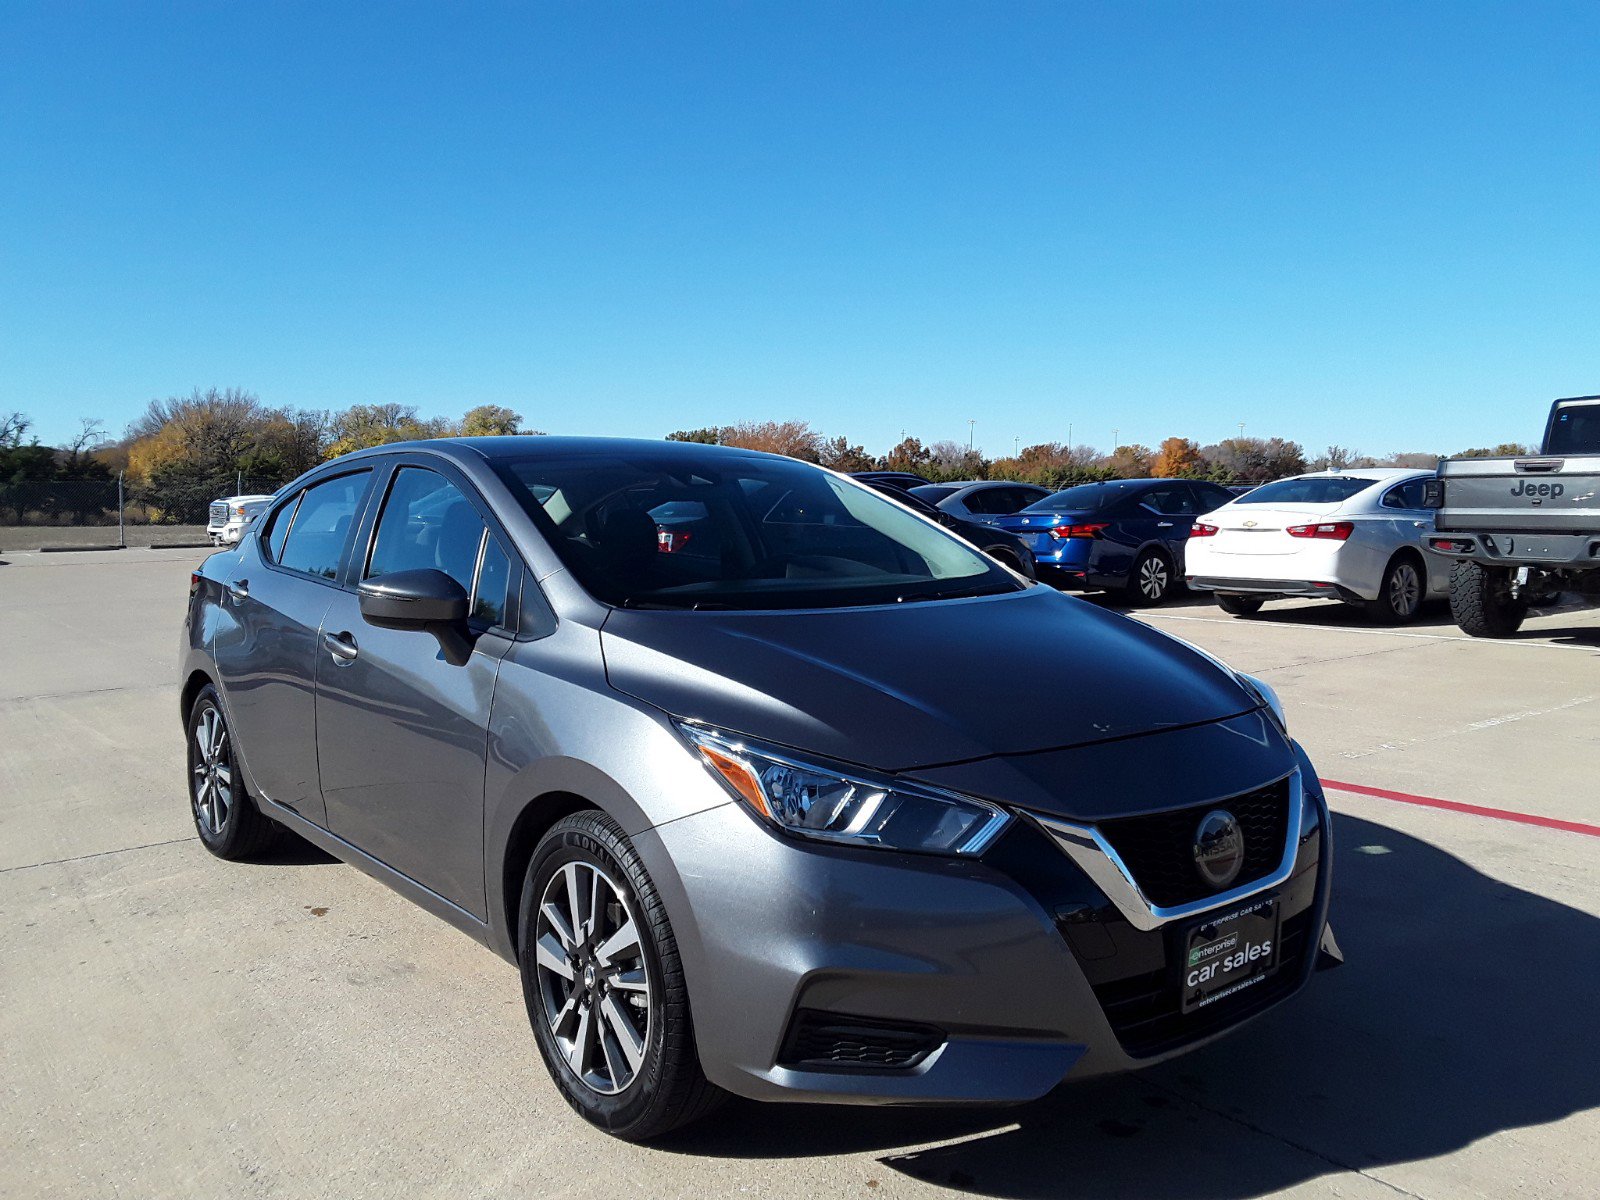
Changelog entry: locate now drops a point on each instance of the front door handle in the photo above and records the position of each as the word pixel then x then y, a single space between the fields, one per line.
pixel 239 591
pixel 342 646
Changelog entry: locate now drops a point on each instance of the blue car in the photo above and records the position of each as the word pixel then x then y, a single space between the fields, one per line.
pixel 1124 536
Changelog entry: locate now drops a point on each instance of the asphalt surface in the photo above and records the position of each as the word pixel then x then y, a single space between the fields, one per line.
pixel 172 1025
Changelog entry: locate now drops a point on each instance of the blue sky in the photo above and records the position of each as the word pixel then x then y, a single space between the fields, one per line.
pixel 1370 224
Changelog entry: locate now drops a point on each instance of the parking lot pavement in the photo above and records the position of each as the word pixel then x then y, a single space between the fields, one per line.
pixel 177 1026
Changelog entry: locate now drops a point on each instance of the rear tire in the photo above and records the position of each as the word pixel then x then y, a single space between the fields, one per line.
pixel 1405 586
pixel 1481 601
pixel 593 974
pixel 1240 606
pixel 1151 581
pixel 225 817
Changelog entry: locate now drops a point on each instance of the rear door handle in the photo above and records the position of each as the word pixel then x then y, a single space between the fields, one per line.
pixel 1164 524
pixel 239 590
pixel 342 646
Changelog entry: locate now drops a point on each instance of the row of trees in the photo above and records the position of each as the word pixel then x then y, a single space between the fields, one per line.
pixel 1055 464
pixel 184 451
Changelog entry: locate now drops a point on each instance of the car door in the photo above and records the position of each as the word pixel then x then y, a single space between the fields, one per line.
pixel 402 732
pixel 266 647
pixel 1168 514
pixel 1408 522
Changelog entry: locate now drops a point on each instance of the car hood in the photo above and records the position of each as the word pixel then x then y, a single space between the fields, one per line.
pixel 911 686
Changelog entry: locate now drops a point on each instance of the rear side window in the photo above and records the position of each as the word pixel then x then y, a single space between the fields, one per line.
pixel 1312 489
pixel 1170 501
pixel 1407 495
pixel 316 534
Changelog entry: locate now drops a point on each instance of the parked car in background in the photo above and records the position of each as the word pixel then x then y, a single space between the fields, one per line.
pixel 904 479
pixel 999 545
pixel 227 518
pixel 981 500
pixel 1125 535
pixel 845 812
pixel 1357 536
pixel 1523 529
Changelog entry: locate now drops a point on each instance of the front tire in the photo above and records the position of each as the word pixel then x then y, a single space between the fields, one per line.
pixel 1481 601
pixel 604 986
pixel 1399 601
pixel 227 820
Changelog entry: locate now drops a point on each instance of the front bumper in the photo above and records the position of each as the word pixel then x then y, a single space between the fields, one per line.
pixel 1022 966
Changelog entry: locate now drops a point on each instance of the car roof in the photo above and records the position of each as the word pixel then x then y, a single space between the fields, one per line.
pixel 542 446
pixel 1376 474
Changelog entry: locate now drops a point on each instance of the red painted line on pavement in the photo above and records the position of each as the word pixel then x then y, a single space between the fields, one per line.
pixel 1476 810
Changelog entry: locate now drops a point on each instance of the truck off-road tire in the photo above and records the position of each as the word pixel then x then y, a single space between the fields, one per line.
pixel 1240 606
pixel 226 818
pixel 1481 601
pixel 604 985
pixel 1404 588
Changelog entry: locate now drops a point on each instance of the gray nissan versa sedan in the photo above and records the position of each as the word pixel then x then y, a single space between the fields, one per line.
pixel 817 803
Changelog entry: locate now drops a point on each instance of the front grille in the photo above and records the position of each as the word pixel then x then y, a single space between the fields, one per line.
pixel 219 513
pixel 1145 1011
pixel 833 1041
pixel 1158 849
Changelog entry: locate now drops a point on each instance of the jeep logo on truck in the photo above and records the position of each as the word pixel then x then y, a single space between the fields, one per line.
pixel 1526 487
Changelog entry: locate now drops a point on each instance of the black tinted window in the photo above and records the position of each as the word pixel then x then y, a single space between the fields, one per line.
pixel 933 492
pixel 786 534
pixel 1575 430
pixel 426 523
pixel 321 525
pixel 1313 489
pixel 1170 501
pixel 1407 495
pixel 1210 496
pixel 1088 497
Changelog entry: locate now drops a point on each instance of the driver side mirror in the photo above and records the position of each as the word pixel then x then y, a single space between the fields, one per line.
pixel 426 600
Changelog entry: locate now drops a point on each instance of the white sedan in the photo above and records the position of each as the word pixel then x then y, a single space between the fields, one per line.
pixel 1353 535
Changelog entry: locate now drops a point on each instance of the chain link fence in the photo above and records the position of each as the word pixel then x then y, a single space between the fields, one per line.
pixel 40 514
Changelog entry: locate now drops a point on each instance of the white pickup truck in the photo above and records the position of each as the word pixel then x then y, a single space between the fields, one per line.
pixel 228 517
pixel 1522 527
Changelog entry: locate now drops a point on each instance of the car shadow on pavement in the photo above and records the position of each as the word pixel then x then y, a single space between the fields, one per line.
pixel 1462 1010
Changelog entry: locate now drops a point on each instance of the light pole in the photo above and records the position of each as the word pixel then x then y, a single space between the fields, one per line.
pixel 1116 437
pixel 1241 431
pixel 970 423
pixel 1016 446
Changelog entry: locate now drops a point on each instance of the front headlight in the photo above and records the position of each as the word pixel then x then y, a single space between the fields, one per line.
pixel 832 805
pixel 1264 692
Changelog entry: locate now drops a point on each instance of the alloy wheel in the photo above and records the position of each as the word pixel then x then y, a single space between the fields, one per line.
pixel 593 979
pixel 1153 578
pixel 212 770
pixel 1405 590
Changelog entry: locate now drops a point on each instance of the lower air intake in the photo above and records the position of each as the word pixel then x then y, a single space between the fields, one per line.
pixel 832 1041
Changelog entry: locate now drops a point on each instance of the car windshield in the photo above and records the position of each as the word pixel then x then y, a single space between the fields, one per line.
pixel 1311 489
pixel 1087 497
pixel 736 532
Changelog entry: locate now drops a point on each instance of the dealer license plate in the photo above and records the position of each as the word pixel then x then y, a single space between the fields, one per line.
pixel 1230 953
